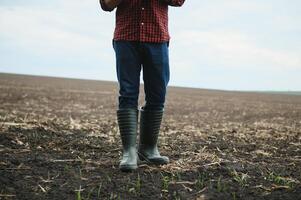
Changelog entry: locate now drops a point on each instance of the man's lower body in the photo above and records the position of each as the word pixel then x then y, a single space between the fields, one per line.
pixel 153 60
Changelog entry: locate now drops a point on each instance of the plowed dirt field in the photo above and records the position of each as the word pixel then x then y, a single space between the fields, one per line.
pixel 59 140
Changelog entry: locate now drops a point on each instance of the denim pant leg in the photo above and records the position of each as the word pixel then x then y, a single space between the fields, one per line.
pixel 128 67
pixel 155 74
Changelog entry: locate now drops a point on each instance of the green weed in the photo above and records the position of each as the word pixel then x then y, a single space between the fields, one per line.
pixel 78 193
pixel 99 189
pixel 176 196
pixel 90 193
pixel 165 183
pixel 202 178
pixel 220 186
pixel 114 196
pixel 233 195
pixel 138 184
pixel 80 172
pixel 66 168
pixel 280 180
pixel 177 176
pixel 240 178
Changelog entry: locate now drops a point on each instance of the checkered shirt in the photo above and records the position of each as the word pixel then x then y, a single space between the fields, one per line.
pixel 142 20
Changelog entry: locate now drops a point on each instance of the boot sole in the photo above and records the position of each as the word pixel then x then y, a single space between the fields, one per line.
pixel 128 168
pixel 154 161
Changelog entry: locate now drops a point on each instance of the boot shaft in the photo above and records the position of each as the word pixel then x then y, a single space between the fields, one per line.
pixel 128 122
pixel 150 123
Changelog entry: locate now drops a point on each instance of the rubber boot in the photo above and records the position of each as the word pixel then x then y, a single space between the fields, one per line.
pixel 150 122
pixel 127 121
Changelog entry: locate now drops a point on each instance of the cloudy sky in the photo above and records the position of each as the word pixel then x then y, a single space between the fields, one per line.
pixel 220 44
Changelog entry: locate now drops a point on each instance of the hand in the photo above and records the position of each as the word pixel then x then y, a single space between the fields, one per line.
pixel 112 3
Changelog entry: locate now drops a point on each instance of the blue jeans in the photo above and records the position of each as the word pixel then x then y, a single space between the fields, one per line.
pixel 153 59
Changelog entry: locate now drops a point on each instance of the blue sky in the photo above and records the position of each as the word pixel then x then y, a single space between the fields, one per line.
pixel 219 44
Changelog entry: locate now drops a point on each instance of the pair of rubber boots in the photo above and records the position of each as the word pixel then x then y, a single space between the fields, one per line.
pixel 150 122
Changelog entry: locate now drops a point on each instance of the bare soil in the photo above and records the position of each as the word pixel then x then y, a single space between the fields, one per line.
pixel 59 140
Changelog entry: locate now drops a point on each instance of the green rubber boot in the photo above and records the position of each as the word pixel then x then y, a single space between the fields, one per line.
pixel 150 122
pixel 127 121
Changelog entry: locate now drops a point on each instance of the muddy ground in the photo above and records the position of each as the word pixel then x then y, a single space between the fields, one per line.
pixel 59 140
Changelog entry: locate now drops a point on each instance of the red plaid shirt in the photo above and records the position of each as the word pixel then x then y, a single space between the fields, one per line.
pixel 142 20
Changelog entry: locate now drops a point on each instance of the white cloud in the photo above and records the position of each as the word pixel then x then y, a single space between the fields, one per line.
pixel 202 13
pixel 235 49
pixel 52 32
